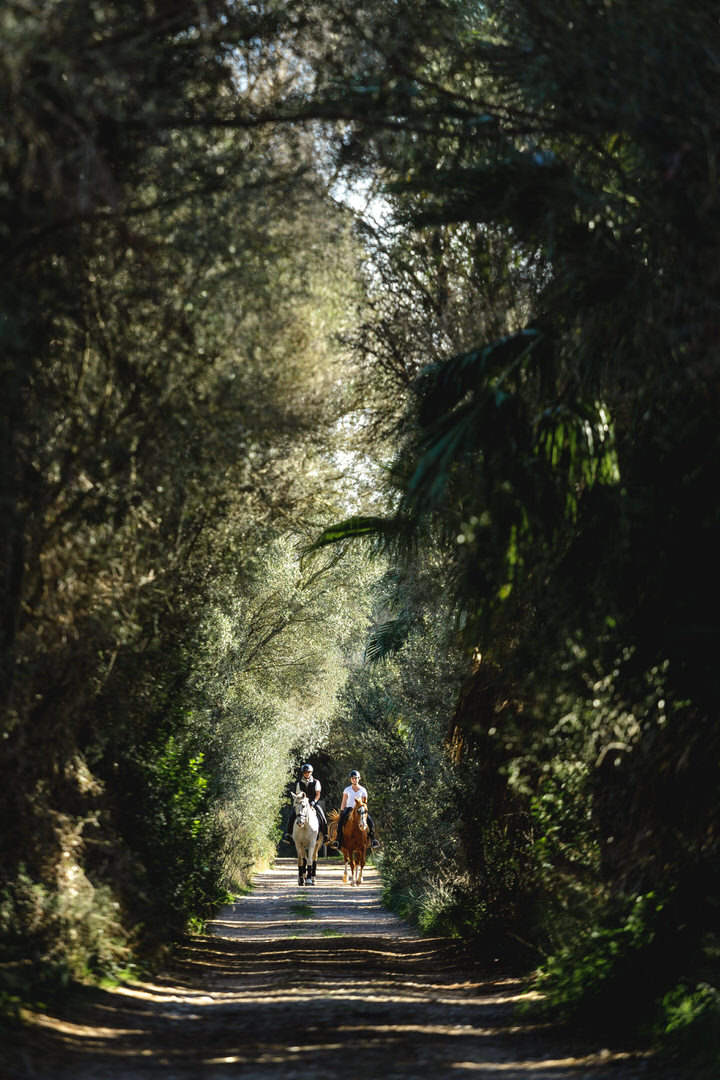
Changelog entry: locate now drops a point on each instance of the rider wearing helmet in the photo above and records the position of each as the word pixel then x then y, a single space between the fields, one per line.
pixel 312 788
pixel 350 795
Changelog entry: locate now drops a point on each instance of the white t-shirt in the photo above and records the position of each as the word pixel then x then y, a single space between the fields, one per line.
pixel 353 795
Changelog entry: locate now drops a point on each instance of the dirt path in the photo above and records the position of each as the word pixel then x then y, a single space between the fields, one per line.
pixel 314 983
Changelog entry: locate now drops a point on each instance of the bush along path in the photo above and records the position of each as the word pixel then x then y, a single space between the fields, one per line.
pixel 295 982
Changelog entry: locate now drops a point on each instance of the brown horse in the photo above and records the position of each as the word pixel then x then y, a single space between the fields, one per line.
pixel 355 840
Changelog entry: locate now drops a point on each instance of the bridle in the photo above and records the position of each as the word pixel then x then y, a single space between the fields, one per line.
pixel 361 810
pixel 303 814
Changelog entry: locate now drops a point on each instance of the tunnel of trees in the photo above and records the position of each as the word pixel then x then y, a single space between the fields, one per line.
pixel 360 400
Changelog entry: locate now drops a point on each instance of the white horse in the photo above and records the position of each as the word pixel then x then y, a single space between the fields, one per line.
pixel 308 838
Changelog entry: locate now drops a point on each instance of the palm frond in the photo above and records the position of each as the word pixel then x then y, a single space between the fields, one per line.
pixel 351 529
pixel 443 386
pixel 387 639
pixel 396 534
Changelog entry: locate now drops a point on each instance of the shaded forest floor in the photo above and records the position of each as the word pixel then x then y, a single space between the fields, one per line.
pixel 316 982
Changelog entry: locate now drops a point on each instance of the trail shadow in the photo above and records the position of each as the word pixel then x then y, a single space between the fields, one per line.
pixel 253 1005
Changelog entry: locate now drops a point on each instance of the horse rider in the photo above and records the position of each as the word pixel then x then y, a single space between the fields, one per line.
pixel 351 794
pixel 312 788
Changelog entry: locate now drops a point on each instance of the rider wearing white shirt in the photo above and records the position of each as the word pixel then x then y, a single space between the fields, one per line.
pixel 351 794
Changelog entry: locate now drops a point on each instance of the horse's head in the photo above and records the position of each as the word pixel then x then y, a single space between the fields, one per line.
pixel 302 807
pixel 360 812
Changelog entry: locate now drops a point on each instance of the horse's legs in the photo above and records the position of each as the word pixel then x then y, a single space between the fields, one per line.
pixel 302 869
pixel 314 857
pixel 345 867
pixel 315 854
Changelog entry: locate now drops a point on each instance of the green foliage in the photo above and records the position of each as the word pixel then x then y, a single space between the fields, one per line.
pixel 173 381
pixel 51 936
pixel 176 833
pixel 351 529
pixel 194 352
pixel 559 449
pixel 604 970
pixel 688 1026
pixel 386 639
pixel 268 666
pixel 391 727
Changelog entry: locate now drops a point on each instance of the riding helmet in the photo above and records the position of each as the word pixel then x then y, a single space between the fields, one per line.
pixel 307 768
pixel 353 772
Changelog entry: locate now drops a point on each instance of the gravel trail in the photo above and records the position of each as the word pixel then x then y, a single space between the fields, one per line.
pixel 316 982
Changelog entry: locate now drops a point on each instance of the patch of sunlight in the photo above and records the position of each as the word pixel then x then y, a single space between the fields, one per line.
pixel 149 992
pixel 537 1066
pixel 236 1059
pixel 463 1030
pixel 67 1027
